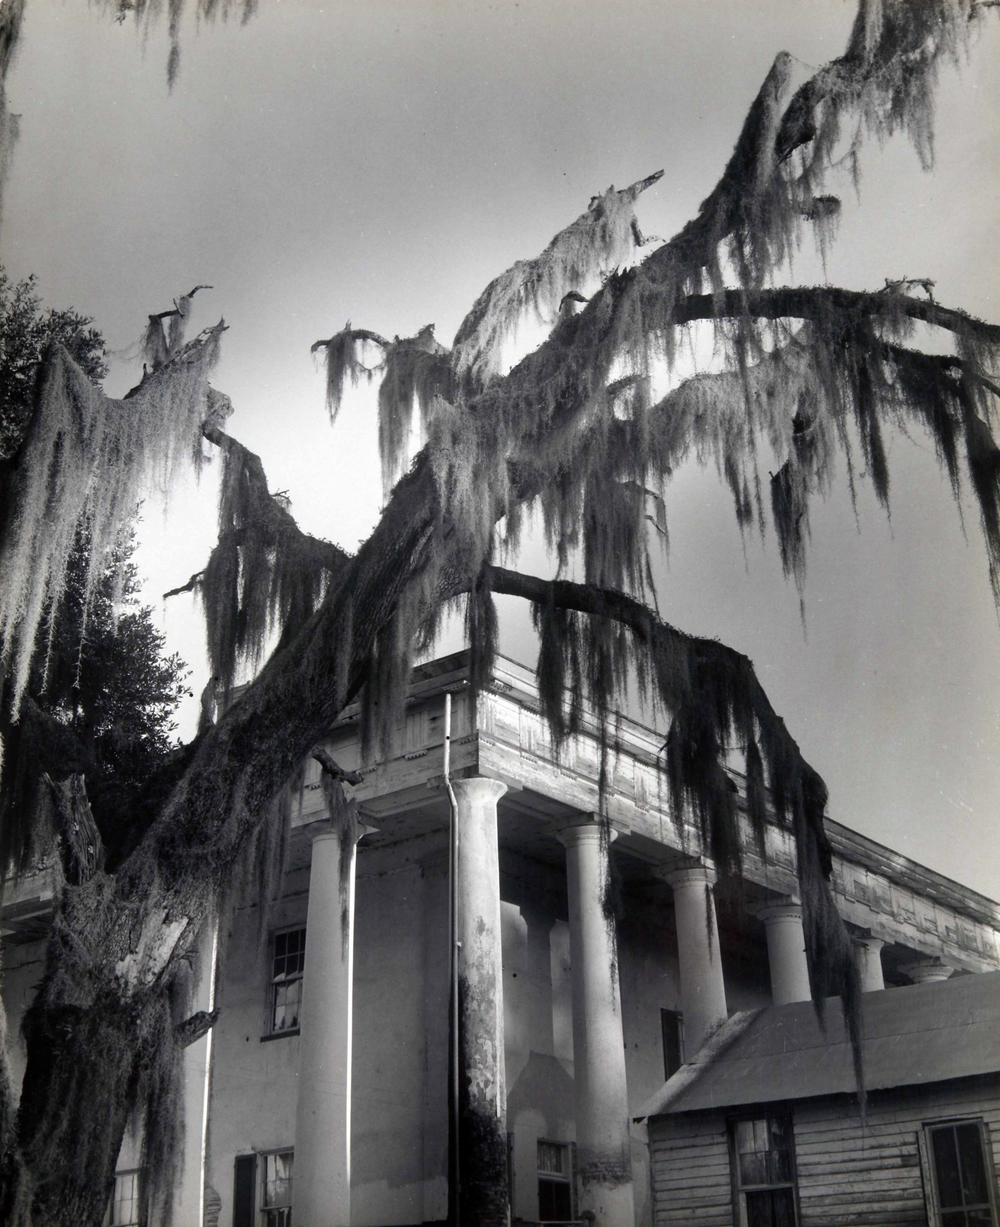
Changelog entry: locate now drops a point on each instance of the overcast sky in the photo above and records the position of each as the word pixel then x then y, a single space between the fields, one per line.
pixel 381 162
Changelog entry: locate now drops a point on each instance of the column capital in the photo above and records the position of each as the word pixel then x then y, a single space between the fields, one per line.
pixel 481 788
pixel 701 874
pixel 776 910
pixel 926 971
pixel 583 827
pixel 331 828
pixel 868 957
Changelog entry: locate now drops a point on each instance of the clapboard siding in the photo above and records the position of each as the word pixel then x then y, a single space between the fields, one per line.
pixel 689 1165
pixel 849 1174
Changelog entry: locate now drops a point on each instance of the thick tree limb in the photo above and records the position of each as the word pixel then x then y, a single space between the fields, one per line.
pixel 819 302
pixel 354 334
pixel 333 769
pixel 241 762
pixel 81 846
pixel 192 1029
pixel 278 520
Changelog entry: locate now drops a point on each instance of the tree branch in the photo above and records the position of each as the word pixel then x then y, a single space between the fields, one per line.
pixel 192 1029
pixel 818 302
pixel 333 769
pixel 192 585
pixel 81 846
pixel 278 521
pixel 353 334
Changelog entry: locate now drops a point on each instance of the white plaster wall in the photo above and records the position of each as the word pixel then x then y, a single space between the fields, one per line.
pixel 648 980
pixel 22 969
pixel 253 1081
pixel 539 1060
pixel 399 1154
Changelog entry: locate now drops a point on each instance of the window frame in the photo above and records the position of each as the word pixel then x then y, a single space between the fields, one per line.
pixel 767 1113
pixel 568 1179
pixel 272 1032
pixel 139 1209
pixel 932 1197
pixel 263 1216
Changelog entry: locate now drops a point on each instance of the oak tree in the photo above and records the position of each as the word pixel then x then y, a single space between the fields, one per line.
pixel 573 428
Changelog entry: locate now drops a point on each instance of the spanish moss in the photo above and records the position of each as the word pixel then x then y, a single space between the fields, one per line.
pixel 86 462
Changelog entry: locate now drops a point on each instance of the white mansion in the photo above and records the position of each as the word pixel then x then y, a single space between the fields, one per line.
pixel 321 1095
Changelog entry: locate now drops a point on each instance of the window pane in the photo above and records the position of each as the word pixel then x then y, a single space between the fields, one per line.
pixel 752 1150
pixel 285 1012
pixel 770 1208
pixel 973 1168
pixel 759 1209
pixel 946 1168
pixel 552 1158
pixel 277 1180
pixel 781 1150
pixel 956 1218
pixel 289 953
pixel 753 1169
pixel 783 1206
pixel 286 979
pixel 554 1202
pixel 125 1200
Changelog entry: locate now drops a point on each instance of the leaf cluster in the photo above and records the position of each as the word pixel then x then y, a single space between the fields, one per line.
pixel 26 328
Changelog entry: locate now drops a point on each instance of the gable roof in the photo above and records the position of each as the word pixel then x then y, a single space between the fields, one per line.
pixel 922 1033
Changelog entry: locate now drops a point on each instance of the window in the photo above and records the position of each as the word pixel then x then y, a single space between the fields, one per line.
pixel 763 1162
pixel 672 1030
pixel 555 1182
pixel 276 1189
pixel 263 1180
pixel 126 1200
pixel 957 1155
pixel 288 964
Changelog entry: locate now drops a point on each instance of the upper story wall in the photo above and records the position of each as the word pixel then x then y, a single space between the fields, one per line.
pixel 502 733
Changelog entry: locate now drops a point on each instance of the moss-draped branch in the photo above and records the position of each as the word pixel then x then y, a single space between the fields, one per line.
pixel 496 442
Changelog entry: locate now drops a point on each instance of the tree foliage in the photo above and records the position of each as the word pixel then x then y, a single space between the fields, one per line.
pixel 26 330
pixel 813 372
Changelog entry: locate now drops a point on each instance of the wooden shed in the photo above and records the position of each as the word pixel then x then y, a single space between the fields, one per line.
pixel 762 1127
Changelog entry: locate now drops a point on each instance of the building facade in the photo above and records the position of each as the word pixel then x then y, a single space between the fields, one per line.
pixel 767 1117
pixel 596 956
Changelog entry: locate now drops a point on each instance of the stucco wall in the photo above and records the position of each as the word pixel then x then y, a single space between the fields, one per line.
pixel 399 1156
pixel 22 970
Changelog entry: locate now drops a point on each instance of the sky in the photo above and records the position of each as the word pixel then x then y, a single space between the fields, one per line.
pixel 381 162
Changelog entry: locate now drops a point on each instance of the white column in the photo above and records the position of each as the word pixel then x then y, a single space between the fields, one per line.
pixel 189 1192
pixel 604 1158
pixel 703 989
pixel 868 956
pixel 323 1119
pixel 927 971
pixel 786 951
pixel 483 1196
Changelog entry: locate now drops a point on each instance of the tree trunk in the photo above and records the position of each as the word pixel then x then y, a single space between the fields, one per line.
pixel 117 938
pixel 78 1086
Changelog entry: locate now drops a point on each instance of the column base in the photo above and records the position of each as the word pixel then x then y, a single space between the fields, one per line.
pixel 611 1204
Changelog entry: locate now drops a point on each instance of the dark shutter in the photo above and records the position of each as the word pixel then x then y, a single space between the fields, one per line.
pixel 244 1186
pixel 670 1026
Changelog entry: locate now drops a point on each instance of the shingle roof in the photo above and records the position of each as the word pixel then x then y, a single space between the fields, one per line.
pixel 918 1034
